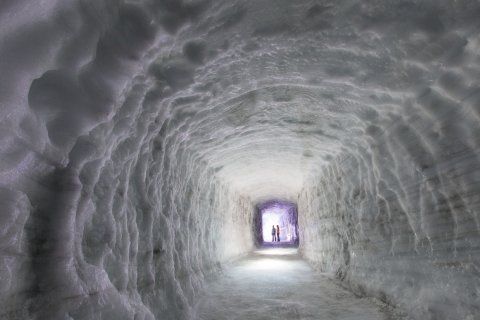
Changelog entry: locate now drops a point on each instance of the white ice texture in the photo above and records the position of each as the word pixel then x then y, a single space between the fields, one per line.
pixel 137 137
pixel 276 284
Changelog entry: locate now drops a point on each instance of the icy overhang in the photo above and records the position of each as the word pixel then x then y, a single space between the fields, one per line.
pixel 262 94
pixel 265 143
pixel 267 94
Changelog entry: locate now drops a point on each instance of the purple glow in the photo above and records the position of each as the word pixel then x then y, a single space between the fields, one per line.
pixel 283 214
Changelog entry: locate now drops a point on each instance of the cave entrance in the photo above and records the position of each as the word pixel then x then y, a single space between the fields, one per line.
pixel 273 213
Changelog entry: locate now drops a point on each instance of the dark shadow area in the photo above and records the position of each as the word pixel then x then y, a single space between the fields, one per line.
pixel 276 224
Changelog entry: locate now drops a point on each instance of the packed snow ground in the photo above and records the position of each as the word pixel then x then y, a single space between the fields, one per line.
pixel 276 283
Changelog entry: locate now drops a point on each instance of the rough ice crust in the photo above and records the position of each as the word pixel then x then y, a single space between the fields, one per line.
pixel 136 137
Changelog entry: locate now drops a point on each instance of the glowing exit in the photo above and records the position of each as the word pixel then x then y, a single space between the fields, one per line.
pixel 282 218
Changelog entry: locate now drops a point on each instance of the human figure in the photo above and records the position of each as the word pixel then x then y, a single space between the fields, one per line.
pixel 278 233
pixel 273 234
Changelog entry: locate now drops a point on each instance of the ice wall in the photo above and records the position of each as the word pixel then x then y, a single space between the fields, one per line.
pixel 107 213
pixel 398 216
pixel 136 138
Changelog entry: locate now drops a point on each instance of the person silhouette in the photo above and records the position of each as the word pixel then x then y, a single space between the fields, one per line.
pixel 278 233
pixel 273 234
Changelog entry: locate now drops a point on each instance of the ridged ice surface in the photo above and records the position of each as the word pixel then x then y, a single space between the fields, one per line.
pixel 136 138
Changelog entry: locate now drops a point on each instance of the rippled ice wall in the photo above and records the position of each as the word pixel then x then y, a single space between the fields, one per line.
pixel 119 232
pixel 398 217
pixel 106 213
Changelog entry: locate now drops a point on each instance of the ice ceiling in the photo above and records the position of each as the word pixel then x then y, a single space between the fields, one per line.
pixel 137 136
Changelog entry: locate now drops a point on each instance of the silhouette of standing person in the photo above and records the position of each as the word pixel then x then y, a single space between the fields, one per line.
pixel 273 234
pixel 278 233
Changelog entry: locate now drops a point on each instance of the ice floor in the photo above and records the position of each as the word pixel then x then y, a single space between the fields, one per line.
pixel 276 283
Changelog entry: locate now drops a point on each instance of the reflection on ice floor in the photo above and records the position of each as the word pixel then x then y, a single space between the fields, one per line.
pixel 276 283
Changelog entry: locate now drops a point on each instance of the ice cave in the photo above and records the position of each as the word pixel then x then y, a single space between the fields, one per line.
pixel 147 147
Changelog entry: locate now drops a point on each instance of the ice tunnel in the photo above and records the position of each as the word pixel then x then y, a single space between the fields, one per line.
pixel 138 138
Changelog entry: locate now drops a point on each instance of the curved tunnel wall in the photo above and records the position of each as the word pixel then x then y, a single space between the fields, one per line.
pixel 397 217
pixel 137 138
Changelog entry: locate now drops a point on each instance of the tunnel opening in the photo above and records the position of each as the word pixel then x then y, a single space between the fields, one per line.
pixel 276 224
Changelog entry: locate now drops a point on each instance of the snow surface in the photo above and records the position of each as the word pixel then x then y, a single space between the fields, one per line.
pixel 276 283
pixel 137 137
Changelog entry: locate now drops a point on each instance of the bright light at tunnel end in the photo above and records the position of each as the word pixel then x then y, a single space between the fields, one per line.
pixel 275 213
